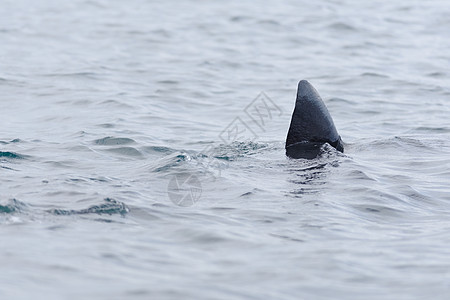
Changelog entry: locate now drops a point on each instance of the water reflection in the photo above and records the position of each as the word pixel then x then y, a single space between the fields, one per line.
pixel 309 175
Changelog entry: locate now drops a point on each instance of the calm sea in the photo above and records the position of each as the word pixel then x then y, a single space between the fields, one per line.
pixel 142 150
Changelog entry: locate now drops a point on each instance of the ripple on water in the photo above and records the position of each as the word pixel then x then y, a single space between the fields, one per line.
pixel 342 27
pixel 236 149
pixel 12 155
pixel 158 150
pixel 374 75
pixel 432 129
pixel 11 141
pixel 115 103
pixel 168 162
pixel 396 143
pixel 125 151
pixel 12 206
pixel 111 207
pixel 121 150
pixel 109 140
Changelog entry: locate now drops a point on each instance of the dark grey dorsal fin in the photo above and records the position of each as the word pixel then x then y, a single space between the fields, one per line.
pixel 311 125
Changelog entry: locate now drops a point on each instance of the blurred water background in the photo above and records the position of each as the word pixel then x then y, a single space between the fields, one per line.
pixel 108 106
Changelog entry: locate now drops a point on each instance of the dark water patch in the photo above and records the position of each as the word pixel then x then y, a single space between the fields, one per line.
pixel 437 75
pixel 161 205
pixel 12 206
pixel 300 192
pixel 340 26
pixel 417 196
pixel 162 33
pixel 236 149
pixel 109 141
pixel 374 75
pixel 11 141
pixel 237 19
pixel 56 227
pixel 246 194
pixel 270 22
pixel 157 150
pixel 126 151
pixel 285 237
pixel 202 237
pixel 101 220
pixel 308 168
pixel 307 177
pixel 7 168
pixel 87 75
pixel 168 82
pixel 107 125
pixel 8 82
pixel 433 89
pixel 378 209
pixel 111 207
pixel 252 192
pixel 116 103
pixel 99 179
pixel 142 292
pixel 341 100
pixel 77 180
pixel 221 208
pixel 371 112
pixel 433 129
pixel 169 161
pixel 82 102
pixel 136 32
pixel 12 155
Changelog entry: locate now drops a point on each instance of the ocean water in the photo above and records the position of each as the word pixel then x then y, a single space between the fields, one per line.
pixel 142 150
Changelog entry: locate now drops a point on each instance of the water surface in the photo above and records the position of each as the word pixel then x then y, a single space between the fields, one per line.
pixel 104 103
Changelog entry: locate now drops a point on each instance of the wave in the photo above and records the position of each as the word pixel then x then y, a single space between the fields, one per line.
pixel 12 155
pixel 111 207
pixel 12 206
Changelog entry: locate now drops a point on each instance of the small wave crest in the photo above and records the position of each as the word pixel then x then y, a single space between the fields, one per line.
pixel 12 155
pixel 12 206
pixel 111 207
pixel 109 140
pixel 396 143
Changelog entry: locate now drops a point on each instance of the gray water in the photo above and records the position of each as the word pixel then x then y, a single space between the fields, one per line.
pixel 108 106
